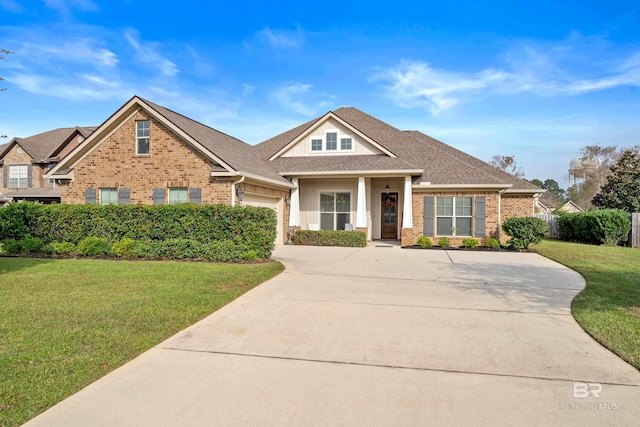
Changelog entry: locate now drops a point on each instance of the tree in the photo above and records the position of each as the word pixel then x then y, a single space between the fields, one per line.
pixel 536 182
pixel 4 52
pixel 622 190
pixel 552 186
pixel 507 164
pixel 591 173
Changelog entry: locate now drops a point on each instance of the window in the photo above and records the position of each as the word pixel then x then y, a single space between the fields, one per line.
pixel 316 145
pixel 18 176
pixel 178 195
pixel 345 144
pixel 108 196
pixel 335 210
pixel 453 216
pixel 332 141
pixel 142 137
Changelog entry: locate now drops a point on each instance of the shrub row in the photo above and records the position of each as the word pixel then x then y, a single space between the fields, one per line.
pixel 331 238
pixel 129 248
pixel 602 227
pixel 252 229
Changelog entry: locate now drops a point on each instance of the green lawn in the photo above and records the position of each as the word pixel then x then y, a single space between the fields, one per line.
pixel 609 307
pixel 66 323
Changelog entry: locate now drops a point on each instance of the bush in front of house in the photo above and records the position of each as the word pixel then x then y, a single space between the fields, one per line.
pixel 492 243
pixel 444 242
pixel 524 231
pixel 63 248
pixel 600 227
pixel 470 243
pixel 251 229
pixel 25 245
pixel 331 238
pixel 94 246
pixel 424 242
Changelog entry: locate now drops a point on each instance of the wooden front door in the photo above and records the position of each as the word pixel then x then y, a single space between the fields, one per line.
pixel 389 216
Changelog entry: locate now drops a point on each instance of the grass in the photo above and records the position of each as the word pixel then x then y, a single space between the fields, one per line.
pixel 609 307
pixel 66 323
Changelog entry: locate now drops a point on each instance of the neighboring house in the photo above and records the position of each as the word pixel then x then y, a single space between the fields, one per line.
pixel 25 161
pixel 147 154
pixel 547 203
pixel 343 170
pixel 354 171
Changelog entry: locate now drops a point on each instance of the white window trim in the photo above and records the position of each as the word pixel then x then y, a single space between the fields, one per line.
pixel 351 211
pixel 177 188
pixel 340 136
pixel 454 217
pixel 141 137
pixel 19 178
pixel 100 195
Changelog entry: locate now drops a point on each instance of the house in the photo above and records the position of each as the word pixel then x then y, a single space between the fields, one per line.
pixel 547 203
pixel 25 161
pixel 343 170
pixel 352 170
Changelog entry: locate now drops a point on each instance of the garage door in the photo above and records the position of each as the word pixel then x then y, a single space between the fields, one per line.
pixel 261 201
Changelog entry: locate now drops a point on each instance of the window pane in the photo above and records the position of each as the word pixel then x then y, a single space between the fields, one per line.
pixel 345 143
pixel 326 202
pixel 444 226
pixel 108 196
pixel 341 220
pixel 332 141
pixel 142 137
pixel 18 176
pixel 463 226
pixel 143 146
pixel 343 202
pixel 177 195
pixel 444 206
pixel 326 221
pixel 463 206
pixel 316 145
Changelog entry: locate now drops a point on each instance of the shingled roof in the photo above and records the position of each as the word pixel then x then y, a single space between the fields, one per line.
pixel 440 163
pixel 42 146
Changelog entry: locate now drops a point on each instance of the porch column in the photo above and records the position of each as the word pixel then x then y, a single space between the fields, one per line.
pixel 407 217
pixel 361 205
pixel 294 207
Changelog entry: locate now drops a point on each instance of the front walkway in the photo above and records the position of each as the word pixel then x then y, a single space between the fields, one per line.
pixel 377 336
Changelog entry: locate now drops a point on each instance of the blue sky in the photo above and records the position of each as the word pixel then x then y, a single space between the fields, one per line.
pixel 538 80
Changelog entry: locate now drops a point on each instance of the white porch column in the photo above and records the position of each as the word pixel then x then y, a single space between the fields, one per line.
pixel 361 206
pixel 294 207
pixel 407 217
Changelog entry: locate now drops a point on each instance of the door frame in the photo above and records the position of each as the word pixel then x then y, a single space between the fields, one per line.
pixel 382 223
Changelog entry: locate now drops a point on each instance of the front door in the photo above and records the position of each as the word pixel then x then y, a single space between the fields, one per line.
pixel 389 216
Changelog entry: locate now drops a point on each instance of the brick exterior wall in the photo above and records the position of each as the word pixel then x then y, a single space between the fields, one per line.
pixel 13 157
pixel 171 163
pixel 517 205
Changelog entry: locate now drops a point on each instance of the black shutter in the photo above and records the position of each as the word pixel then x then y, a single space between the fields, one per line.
pixel 429 215
pixel 124 196
pixel 158 196
pixel 29 176
pixel 481 216
pixel 90 196
pixel 195 196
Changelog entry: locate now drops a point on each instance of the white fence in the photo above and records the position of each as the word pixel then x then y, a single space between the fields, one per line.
pixel 552 222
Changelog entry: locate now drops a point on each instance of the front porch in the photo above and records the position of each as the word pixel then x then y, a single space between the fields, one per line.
pixel 380 206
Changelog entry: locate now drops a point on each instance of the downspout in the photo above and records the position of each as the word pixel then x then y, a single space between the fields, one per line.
pixel 233 190
pixel 500 192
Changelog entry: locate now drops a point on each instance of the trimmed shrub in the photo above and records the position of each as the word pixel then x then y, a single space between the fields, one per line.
pixel 25 245
pixel 94 246
pixel 601 227
pixel 63 248
pixel 470 243
pixel 16 220
pixel 524 231
pixel 492 243
pixel 444 243
pixel 124 248
pixel 424 242
pixel 331 238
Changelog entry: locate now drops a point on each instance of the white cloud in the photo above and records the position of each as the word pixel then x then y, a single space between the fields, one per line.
pixel 148 53
pixel 281 39
pixel 78 88
pixel 295 97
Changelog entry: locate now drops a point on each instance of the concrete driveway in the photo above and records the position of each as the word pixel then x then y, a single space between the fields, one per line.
pixel 377 336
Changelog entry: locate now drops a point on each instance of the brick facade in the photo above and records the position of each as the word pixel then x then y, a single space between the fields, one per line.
pixel 171 163
pixel 14 157
pixel 492 222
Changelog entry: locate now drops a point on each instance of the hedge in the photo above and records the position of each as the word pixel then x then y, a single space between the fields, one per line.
pixel 331 238
pixel 252 229
pixel 524 231
pixel 601 227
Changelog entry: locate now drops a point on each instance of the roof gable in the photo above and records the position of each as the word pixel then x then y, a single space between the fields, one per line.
pixel 43 146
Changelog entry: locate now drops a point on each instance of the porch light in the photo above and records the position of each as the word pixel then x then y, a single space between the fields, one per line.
pixel 287 200
pixel 387 189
